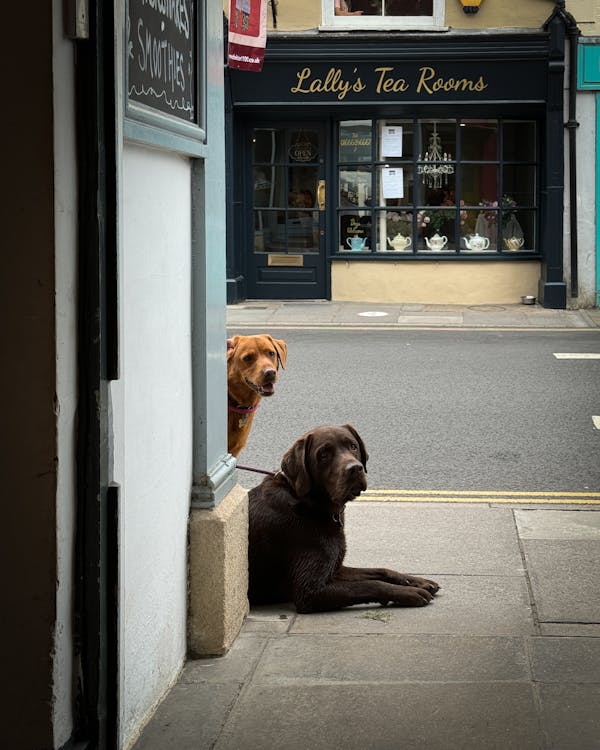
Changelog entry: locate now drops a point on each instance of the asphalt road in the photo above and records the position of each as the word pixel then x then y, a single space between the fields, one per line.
pixel 443 410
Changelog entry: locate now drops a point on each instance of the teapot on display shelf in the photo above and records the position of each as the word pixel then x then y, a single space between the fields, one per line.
pixel 436 243
pixel 513 243
pixel 476 242
pixel 399 242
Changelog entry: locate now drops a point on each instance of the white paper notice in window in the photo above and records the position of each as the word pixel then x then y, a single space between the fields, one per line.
pixel 392 182
pixel 391 141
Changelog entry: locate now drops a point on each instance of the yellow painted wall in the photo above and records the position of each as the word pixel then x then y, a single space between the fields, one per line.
pixel 493 14
pixel 435 282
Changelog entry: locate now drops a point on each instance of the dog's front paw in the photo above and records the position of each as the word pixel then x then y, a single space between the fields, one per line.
pixel 408 596
pixel 422 583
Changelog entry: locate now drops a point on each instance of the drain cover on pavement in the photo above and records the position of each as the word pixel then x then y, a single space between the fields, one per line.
pixel 373 314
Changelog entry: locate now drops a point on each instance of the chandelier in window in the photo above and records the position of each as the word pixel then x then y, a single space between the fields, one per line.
pixel 436 172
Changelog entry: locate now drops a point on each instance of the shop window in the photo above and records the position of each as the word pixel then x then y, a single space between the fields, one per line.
pixel 458 187
pixel 382 14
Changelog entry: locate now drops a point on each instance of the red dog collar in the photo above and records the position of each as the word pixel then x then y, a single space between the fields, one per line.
pixel 239 409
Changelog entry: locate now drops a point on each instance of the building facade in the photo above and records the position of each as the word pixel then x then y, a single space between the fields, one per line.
pixel 125 535
pixel 407 152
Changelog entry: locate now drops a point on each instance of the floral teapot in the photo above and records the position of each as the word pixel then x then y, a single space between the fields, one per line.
pixel 436 242
pixel 476 242
pixel 399 242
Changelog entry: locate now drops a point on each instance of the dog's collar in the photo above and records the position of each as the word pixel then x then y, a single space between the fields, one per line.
pixel 233 405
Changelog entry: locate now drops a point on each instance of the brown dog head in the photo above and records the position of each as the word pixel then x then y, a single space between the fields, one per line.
pixel 331 461
pixel 252 364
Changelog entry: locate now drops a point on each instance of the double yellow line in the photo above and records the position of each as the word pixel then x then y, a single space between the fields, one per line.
pixel 470 496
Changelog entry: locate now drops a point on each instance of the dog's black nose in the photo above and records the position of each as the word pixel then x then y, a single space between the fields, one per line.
pixel 269 375
pixel 355 469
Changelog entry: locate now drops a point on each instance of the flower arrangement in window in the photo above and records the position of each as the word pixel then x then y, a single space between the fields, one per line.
pixel 491 215
pixel 434 219
pixel 398 222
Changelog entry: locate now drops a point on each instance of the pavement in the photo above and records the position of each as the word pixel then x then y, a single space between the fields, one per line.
pixel 324 313
pixel 506 656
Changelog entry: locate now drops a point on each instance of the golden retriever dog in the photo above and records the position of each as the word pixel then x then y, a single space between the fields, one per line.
pixel 252 365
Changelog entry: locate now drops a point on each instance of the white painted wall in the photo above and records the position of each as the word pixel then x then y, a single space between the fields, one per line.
pixel 586 197
pixel 65 213
pixel 152 412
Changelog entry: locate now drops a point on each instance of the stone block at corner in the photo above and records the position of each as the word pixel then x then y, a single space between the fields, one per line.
pixel 218 574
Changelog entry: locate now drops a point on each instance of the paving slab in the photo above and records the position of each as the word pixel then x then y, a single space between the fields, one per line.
pixel 552 524
pixel 562 660
pixel 564 579
pixel 190 718
pixel 433 539
pixel 235 666
pixel 466 605
pixel 570 716
pixel 469 716
pixel 573 630
pixel 338 659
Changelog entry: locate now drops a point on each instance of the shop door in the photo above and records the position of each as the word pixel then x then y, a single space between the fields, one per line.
pixel 286 242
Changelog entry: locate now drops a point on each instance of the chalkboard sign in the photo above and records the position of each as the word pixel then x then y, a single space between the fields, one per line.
pixel 163 51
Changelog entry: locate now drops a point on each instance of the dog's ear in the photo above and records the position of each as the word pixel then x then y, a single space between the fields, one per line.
pixel 231 344
pixel 294 465
pixel 281 349
pixel 364 456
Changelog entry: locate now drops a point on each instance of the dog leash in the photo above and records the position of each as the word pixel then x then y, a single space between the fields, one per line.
pixel 258 471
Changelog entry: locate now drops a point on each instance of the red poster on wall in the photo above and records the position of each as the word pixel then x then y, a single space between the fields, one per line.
pixel 247 34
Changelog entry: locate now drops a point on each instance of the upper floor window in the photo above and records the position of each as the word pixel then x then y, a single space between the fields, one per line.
pixel 382 14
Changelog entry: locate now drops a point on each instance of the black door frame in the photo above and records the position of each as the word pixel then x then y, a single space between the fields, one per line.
pixel 96 544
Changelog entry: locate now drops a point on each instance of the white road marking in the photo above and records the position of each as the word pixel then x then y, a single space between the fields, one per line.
pixel 596 421
pixel 373 314
pixel 576 355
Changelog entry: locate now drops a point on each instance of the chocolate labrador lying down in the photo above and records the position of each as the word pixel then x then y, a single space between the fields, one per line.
pixel 297 542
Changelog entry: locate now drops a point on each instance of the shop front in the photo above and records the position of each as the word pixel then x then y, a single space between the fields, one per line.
pixel 399 169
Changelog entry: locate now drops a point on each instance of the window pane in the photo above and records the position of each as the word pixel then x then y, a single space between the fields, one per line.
pixel 304 146
pixel 302 186
pixel 519 184
pixel 269 231
pixel 436 169
pixel 436 228
pixel 355 187
pixel 477 236
pixel 303 231
pixel 355 141
pixel 519 141
pixel 519 231
pixel 355 231
pixel 394 136
pixel 479 182
pixel 269 186
pixel 268 145
pixel 479 140
pixel 395 231
pixel 368 7
pixel 408 7
pixel 395 185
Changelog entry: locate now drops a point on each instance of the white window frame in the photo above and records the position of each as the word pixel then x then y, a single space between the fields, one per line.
pixel 331 22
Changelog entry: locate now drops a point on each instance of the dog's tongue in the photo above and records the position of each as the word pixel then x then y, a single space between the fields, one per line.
pixel 268 389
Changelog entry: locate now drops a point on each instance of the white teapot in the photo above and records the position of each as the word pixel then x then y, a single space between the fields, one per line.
pixel 399 242
pixel 436 242
pixel 514 243
pixel 476 242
